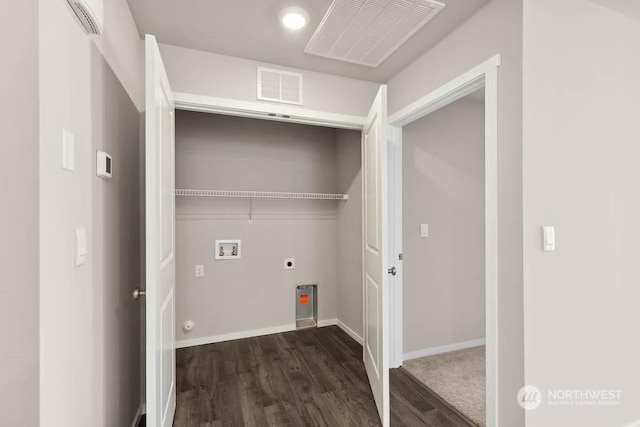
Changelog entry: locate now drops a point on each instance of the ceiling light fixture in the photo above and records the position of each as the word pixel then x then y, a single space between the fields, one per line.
pixel 294 18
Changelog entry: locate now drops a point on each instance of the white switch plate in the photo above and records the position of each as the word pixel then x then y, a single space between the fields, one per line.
pixel 548 238
pixel 68 151
pixel 290 264
pixel 81 246
pixel 199 270
pixel 424 230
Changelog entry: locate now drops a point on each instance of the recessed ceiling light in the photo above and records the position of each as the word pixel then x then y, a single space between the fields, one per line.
pixel 294 18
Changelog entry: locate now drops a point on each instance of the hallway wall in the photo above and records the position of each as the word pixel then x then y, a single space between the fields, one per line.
pixel 89 356
pixel 19 246
pixel 581 175
pixel 494 29
pixel 117 247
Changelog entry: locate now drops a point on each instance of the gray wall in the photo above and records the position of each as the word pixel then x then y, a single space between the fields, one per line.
pixel 350 230
pixel 19 290
pixel 443 186
pixel 85 325
pixel 204 73
pixel 496 28
pixel 255 292
pixel 581 174
pixel 116 248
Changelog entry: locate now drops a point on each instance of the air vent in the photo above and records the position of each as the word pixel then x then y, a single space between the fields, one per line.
pixel 366 32
pixel 279 86
pixel 89 13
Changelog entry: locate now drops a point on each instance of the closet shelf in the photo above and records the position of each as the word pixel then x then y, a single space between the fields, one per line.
pixel 260 194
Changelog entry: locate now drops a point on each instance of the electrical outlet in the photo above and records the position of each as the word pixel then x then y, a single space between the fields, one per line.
pixel 199 270
pixel 289 263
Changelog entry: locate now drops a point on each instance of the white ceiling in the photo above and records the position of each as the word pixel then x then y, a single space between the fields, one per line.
pixel 250 29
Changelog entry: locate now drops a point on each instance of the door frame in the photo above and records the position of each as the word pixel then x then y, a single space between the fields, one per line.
pixel 483 75
pixel 257 110
pixel 261 110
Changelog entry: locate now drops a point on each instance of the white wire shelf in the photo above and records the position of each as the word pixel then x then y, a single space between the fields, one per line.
pixel 260 194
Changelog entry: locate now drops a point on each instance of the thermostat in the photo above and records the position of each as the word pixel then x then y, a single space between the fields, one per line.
pixel 103 165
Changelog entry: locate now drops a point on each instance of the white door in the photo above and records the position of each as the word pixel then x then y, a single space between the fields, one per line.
pixel 160 268
pixel 376 228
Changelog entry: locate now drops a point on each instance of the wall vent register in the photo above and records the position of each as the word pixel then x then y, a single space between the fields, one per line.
pixel 279 86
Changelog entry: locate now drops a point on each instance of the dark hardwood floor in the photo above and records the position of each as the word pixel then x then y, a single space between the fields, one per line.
pixel 304 378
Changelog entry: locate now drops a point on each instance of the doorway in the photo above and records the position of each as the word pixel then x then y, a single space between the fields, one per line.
pixel 160 218
pixel 483 77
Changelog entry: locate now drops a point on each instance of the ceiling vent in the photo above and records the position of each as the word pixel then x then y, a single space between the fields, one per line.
pixel 89 13
pixel 366 32
pixel 279 86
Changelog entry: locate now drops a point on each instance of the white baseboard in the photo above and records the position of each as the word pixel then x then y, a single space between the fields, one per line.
pixel 444 349
pixel 328 322
pixel 136 418
pixel 246 334
pixel 351 332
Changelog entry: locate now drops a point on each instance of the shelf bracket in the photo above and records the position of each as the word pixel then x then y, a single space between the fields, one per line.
pixel 251 210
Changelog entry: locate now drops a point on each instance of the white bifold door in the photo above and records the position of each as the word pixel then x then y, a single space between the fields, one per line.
pixel 376 246
pixel 160 245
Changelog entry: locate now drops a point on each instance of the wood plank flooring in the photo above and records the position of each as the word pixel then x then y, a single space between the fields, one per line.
pixel 304 378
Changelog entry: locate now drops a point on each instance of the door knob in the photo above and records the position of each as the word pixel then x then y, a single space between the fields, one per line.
pixel 392 271
pixel 137 293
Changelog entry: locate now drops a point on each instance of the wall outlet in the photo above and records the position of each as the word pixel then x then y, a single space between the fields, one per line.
pixel 289 263
pixel 199 270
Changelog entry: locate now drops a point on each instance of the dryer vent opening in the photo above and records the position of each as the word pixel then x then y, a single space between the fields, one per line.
pixel 306 306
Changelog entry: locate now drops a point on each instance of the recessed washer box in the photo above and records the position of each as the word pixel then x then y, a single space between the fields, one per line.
pixel 228 249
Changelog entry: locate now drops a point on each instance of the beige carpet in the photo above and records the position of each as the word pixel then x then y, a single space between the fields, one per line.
pixel 458 377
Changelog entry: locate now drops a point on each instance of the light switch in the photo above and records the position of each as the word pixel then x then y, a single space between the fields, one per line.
pixel 424 230
pixel 81 246
pixel 548 238
pixel 68 151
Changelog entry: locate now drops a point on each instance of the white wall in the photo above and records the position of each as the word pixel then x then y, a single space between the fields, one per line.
pixel 496 28
pixel 349 158
pixel 443 186
pixel 71 329
pixel 122 48
pixel 116 250
pixel 255 292
pixel 66 293
pixel 19 216
pixel 205 73
pixel 581 150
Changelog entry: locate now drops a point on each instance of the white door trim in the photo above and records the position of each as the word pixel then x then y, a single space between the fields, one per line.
pixel 396 341
pixel 260 110
pixel 484 75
